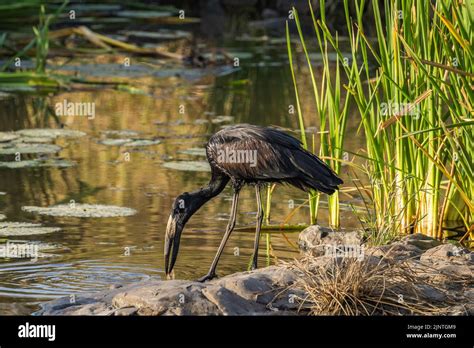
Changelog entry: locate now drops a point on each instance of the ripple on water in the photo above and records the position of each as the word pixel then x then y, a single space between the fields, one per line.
pixel 48 281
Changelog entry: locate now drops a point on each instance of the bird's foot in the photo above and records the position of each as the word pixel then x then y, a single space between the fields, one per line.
pixel 207 277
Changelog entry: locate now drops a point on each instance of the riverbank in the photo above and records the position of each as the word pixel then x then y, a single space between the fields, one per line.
pixel 337 274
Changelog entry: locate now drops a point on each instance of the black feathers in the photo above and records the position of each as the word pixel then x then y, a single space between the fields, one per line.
pixel 252 154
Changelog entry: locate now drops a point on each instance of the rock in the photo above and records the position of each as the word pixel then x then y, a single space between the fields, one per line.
pixel 278 290
pixel 126 311
pixel 318 241
pixel 420 241
pixel 229 303
pixel 430 293
pixel 397 251
pixel 449 253
pixel 245 293
pixel 165 298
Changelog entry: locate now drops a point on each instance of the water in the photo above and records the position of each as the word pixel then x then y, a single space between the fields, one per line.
pixel 94 254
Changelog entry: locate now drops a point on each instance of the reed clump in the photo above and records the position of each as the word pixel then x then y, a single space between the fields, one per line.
pixel 412 88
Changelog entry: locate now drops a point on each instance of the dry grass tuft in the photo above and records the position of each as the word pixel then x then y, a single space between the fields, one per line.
pixel 372 286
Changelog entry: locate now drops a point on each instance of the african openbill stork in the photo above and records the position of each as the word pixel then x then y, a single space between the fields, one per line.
pixel 247 154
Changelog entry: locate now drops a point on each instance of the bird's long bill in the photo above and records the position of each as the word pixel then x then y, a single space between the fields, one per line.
pixel 172 237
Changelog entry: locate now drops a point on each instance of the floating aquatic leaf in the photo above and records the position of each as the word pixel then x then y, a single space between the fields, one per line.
pixel 194 151
pixel 121 133
pixel 222 119
pixel 35 163
pixel 201 121
pixel 115 142
pixel 81 210
pixel 143 142
pixel 195 166
pixel 51 133
pixel 40 140
pixel 26 148
pixel 24 229
pixel 7 136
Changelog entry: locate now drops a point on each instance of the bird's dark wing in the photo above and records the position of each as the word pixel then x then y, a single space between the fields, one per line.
pixel 268 154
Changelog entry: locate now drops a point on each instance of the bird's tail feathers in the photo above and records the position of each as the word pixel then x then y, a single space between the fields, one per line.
pixel 316 174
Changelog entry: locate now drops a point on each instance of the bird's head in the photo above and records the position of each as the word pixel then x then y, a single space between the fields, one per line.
pixel 180 213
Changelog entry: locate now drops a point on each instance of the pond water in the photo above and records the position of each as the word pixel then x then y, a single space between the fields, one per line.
pixel 181 107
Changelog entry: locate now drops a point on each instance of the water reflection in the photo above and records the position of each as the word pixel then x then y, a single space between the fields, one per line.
pixel 97 253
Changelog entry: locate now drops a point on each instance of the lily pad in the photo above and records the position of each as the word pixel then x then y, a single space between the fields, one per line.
pixel 201 121
pixel 143 142
pixel 81 210
pixel 222 119
pixel 26 148
pixel 24 229
pixel 36 163
pixel 121 133
pixel 40 140
pixel 8 136
pixel 115 142
pixel 194 151
pixel 51 133
pixel 194 166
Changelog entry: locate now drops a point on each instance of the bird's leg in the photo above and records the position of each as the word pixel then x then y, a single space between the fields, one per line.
pixel 258 228
pixel 230 227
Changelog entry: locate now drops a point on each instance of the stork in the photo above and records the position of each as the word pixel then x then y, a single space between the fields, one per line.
pixel 253 155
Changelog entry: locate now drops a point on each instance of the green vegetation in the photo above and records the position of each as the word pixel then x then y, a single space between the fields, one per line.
pixel 413 92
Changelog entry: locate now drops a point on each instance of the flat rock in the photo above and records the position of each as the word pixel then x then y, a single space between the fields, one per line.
pixel 229 303
pixel 276 290
pixel 447 253
pixel 420 241
pixel 317 240
pixel 237 294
